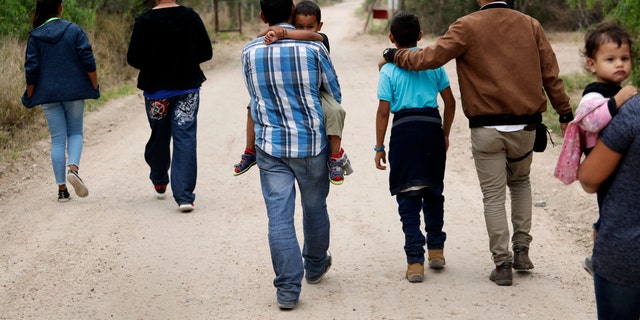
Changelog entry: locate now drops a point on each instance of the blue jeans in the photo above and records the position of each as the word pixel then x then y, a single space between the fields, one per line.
pixel 176 118
pixel 615 301
pixel 277 178
pixel 65 120
pixel 410 203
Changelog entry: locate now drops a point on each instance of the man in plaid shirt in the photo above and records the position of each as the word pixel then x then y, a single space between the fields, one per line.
pixel 284 81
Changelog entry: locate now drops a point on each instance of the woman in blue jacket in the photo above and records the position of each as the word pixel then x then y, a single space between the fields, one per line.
pixel 60 73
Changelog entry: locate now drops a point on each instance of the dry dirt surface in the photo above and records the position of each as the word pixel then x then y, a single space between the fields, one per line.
pixel 122 254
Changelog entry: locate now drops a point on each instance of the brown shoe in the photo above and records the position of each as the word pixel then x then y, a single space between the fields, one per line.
pixel 415 272
pixel 521 261
pixel 501 275
pixel 436 259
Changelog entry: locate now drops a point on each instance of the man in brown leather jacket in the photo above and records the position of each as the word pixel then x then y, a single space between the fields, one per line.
pixel 505 66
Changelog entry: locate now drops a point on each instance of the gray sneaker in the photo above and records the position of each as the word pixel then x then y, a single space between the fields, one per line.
pixel 348 169
pixel 326 268
pixel 77 183
pixel 286 305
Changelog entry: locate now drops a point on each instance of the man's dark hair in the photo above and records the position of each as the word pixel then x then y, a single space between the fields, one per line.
pixel 405 28
pixel 276 11
pixel 309 8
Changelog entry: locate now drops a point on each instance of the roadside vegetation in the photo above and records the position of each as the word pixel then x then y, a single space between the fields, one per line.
pixel 108 24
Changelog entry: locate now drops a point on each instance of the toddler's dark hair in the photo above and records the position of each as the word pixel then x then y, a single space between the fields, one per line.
pixel 605 32
pixel 45 10
pixel 308 8
pixel 405 28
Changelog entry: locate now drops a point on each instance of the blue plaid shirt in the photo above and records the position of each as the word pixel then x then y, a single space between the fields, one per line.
pixel 284 81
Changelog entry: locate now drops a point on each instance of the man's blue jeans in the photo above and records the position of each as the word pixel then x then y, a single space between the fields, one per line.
pixel 65 120
pixel 176 118
pixel 615 301
pixel 277 178
pixel 430 202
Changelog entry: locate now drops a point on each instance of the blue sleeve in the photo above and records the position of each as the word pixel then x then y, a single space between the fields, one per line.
pixel 32 62
pixel 84 50
pixel 443 79
pixel 385 92
pixel 622 131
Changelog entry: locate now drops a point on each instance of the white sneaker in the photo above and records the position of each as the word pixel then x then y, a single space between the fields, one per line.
pixel 186 207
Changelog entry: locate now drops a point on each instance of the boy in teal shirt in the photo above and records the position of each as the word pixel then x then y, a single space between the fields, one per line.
pixel 417 147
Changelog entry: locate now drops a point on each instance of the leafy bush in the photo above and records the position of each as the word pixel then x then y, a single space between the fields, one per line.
pixel 624 12
pixel 15 16
pixel 627 14
pixel 437 15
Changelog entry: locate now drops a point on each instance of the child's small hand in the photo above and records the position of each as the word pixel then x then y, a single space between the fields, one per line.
pixel 270 37
pixel 380 158
pixel 626 93
pixel 274 34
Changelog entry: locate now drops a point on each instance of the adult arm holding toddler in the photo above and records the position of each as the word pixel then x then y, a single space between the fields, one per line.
pixel 594 112
pixel 275 33
pixel 597 167
pixel 602 161
pixel 271 35
pixel 613 165
pixel 608 56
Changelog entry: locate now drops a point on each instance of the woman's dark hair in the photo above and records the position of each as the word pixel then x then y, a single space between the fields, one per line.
pixel 45 10
pixel 405 28
pixel 276 11
pixel 605 32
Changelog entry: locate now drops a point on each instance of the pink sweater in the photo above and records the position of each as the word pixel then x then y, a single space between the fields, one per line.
pixel 591 117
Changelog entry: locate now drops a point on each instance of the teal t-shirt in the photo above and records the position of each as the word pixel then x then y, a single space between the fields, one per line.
pixel 406 89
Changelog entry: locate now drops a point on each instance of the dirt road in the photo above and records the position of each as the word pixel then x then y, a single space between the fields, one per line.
pixel 122 254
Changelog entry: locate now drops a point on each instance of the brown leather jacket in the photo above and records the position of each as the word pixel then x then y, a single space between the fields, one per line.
pixel 505 65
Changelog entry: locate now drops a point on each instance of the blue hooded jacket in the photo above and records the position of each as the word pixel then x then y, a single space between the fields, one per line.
pixel 57 61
